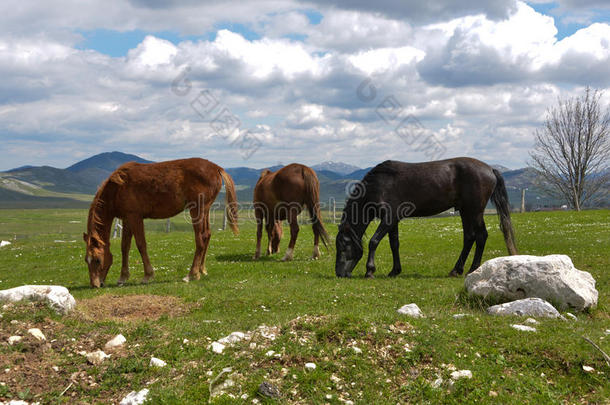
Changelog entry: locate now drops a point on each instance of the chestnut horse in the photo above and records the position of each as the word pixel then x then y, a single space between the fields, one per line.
pixel 280 196
pixel 395 190
pixel 154 190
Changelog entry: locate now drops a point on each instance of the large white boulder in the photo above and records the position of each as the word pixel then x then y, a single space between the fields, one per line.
pixel 552 278
pixel 57 297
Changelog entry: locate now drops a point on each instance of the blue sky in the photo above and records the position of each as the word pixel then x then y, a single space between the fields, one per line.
pixel 80 79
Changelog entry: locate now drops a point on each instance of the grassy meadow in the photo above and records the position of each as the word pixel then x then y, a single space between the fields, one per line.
pixel 316 317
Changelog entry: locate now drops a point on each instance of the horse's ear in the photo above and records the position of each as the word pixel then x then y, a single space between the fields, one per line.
pixel 117 177
pixel 85 236
pixel 265 172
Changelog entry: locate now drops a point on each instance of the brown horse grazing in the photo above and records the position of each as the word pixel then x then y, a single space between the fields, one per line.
pixel 280 196
pixel 393 190
pixel 155 190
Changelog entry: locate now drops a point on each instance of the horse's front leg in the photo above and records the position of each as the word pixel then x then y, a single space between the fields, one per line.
pixel 125 247
pixel 381 231
pixel 393 235
pixel 137 227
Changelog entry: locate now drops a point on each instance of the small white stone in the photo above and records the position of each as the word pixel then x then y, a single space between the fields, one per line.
pixel 437 383
pixel 411 310
pixel 407 348
pixel 135 398
pixel 531 321
pixel 37 333
pixel 234 337
pixel 571 316
pixel 523 328
pixel 270 353
pixel 310 366
pixel 607 331
pixel 458 316
pixel 185 341
pixel 117 341
pixel 356 349
pixel 4 243
pixel 588 369
pixel 97 357
pixel 456 375
pixel 55 368
pixel 218 347
pixel 14 339
pixel 155 362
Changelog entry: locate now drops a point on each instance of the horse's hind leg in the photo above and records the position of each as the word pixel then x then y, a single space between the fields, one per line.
pixel 480 239
pixel 137 227
pixel 383 228
pixel 259 233
pixel 469 238
pixel 125 247
pixel 199 231
pixel 205 236
pixel 294 231
pixel 316 249
pixel 393 235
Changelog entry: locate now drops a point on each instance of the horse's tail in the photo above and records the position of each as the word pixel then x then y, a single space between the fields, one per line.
pixel 500 200
pixel 231 201
pixel 312 200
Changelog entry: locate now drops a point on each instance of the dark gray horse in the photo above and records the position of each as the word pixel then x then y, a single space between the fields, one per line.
pixel 395 190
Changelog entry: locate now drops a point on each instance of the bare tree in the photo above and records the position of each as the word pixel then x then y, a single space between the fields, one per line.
pixel 572 151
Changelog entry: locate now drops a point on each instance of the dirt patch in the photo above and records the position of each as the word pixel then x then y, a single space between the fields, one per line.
pixel 131 307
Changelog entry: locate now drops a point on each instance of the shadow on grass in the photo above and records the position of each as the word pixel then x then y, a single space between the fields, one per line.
pixel 247 257
pixel 114 286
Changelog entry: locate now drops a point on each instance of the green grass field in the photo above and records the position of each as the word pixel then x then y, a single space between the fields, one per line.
pixel 319 318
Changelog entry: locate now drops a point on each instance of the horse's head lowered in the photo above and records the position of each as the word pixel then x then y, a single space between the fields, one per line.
pixel 349 250
pixel 98 259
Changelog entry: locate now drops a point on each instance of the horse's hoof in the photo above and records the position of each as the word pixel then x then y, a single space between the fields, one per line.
pixel 393 273
pixel 369 275
pixel 186 279
pixel 120 283
pixel 146 280
pixel 286 259
pixel 454 273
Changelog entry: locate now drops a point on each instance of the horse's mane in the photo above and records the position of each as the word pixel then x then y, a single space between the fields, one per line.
pixel 94 220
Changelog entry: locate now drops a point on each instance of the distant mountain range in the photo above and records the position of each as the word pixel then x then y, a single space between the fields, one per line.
pixel 45 186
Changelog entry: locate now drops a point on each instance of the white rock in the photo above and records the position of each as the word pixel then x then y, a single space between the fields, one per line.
pixel 218 347
pixel 456 375
pixel 55 368
pixel 270 353
pixel 411 310
pixel 37 333
pixel 356 349
pixel 532 321
pixel 15 402
pixel 552 278
pixel 4 243
pixel 155 362
pixel 523 328
pixel 310 366
pixel 97 357
pixel 588 369
pixel 458 316
pixel 135 398
pixel 437 383
pixel 525 307
pixel 57 297
pixel 117 341
pixel 234 337
pixel 571 316
pixel 185 341
pixel 14 339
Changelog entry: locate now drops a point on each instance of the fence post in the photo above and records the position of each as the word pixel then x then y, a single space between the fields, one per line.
pixel 523 199
pixel 168 226
pixel 118 228
pixel 334 205
pixel 224 218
